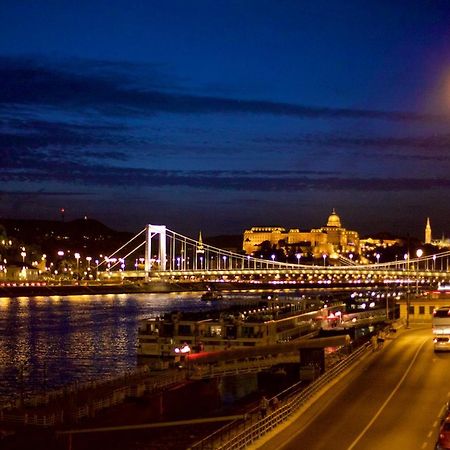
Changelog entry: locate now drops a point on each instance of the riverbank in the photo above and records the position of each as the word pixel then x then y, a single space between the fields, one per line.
pixel 49 290
pixel 162 287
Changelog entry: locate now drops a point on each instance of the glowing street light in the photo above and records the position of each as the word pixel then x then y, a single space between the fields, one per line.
pixel 377 255
pixel 77 257
pixel 298 256
pixel 324 256
pixel 419 253
pixel 408 300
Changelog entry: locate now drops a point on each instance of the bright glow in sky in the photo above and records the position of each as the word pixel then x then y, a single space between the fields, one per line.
pixel 224 115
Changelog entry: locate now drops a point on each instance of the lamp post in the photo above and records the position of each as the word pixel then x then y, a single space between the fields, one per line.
pixel 408 300
pixel 77 257
pixel 298 256
pixel 89 259
pixel 324 256
pixel 377 255
pixel 419 254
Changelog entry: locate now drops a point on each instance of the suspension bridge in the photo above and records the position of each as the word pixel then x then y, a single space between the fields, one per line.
pixel 159 253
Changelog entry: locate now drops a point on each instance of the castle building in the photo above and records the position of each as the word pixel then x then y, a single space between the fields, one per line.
pixel 331 239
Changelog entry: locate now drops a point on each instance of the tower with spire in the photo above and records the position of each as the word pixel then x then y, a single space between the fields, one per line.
pixel 200 248
pixel 428 232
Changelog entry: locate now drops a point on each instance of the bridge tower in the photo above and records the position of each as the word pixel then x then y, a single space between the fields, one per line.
pixel 150 233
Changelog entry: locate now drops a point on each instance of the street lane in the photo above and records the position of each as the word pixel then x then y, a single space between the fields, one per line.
pixel 392 401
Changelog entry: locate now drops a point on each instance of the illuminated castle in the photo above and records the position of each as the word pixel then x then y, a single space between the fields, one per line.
pixel 331 239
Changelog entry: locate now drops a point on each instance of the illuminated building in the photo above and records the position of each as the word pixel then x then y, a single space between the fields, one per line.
pixel 330 239
pixel 428 232
pixel 441 243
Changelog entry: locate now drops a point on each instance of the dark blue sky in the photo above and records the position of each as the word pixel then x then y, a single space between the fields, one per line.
pixel 221 115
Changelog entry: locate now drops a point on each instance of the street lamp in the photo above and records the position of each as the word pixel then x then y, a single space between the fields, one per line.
pixel 298 256
pixel 408 300
pixel 419 254
pixel 77 257
pixel 324 256
pixel 377 255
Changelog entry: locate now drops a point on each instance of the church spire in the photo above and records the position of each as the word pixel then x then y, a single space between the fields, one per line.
pixel 200 248
pixel 428 232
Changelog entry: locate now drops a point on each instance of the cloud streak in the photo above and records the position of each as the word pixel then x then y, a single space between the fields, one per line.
pixel 260 181
pixel 64 86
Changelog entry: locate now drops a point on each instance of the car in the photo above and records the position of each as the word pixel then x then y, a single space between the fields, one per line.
pixel 441 343
pixel 443 442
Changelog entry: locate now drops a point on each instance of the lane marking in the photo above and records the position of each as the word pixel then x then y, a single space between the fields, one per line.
pixel 375 417
pixel 429 434
pixel 424 445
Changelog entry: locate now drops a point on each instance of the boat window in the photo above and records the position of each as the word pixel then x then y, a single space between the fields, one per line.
pixel 215 330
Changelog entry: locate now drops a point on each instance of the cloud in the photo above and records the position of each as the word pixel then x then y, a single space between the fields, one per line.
pixel 434 147
pixel 110 89
pixel 29 142
pixel 258 181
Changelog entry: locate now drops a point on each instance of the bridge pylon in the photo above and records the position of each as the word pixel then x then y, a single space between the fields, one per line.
pixel 150 233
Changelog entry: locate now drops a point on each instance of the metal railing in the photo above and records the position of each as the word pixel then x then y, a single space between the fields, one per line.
pixel 239 366
pixel 241 433
pixel 105 394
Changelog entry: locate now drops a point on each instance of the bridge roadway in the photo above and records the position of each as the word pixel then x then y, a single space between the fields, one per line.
pixel 393 400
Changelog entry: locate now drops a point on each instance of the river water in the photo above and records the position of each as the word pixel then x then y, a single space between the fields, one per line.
pixel 49 342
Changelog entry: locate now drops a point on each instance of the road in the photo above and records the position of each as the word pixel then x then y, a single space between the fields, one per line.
pixel 392 401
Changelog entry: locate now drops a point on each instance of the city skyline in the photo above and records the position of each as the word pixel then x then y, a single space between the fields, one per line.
pixel 226 115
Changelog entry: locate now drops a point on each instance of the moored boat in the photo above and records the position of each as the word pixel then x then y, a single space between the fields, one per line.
pixel 162 340
pixel 209 296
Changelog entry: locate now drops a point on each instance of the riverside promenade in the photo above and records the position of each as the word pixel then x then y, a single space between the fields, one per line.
pixel 71 404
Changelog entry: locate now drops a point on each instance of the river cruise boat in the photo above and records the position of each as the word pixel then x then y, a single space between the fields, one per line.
pixel 162 340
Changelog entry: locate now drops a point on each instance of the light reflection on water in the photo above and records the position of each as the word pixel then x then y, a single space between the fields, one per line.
pixel 49 342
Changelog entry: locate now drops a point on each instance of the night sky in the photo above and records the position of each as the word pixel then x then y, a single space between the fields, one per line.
pixel 222 115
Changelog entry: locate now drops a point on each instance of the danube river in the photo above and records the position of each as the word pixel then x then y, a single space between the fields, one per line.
pixel 49 342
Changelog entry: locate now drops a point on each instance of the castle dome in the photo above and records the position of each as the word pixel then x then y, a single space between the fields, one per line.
pixel 334 220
